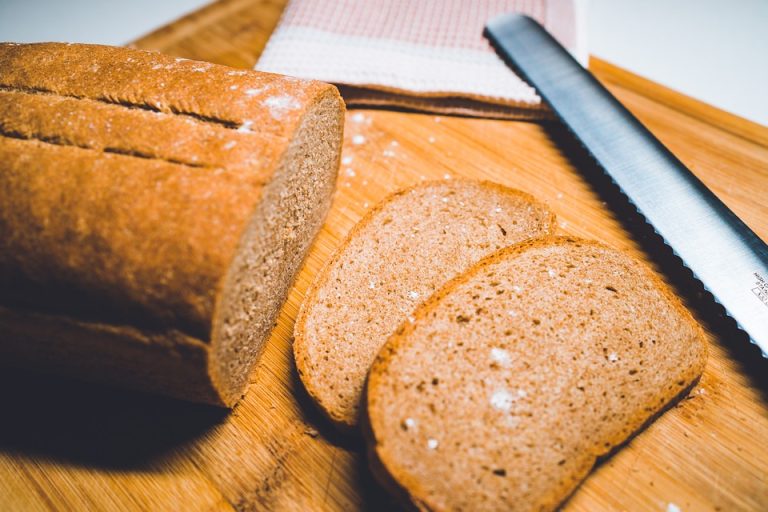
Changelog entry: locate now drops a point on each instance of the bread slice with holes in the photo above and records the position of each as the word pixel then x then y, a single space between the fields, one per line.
pixel 400 253
pixel 154 213
pixel 516 376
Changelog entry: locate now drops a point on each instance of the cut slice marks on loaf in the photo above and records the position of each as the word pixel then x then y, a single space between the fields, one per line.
pixel 517 375
pixel 154 212
pixel 393 260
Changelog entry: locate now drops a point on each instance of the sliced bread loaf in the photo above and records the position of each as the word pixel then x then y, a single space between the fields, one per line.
pixel 517 375
pixel 154 212
pixel 399 254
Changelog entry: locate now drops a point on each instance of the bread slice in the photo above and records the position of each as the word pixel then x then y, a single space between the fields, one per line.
pixel 154 212
pixel 517 375
pixel 400 253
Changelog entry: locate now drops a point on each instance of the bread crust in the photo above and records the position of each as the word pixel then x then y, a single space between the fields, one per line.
pixel 130 180
pixel 159 83
pixel 300 341
pixel 410 490
pixel 150 360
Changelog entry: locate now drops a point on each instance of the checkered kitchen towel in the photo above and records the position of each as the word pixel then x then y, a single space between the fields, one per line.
pixel 426 55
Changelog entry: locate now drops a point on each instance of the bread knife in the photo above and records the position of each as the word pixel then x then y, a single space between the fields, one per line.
pixel 722 252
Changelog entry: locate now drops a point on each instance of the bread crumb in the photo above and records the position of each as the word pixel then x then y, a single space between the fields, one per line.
pixel 372 284
pixel 411 319
pixel 346 160
pixel 388 153
pixel 613 357
pixel 559 195
pixel 409 423
pixel 517 289
pixel 445 199
pixel 311 432
pixel 358 139
pixel 350 172
pixel 431 140
pixel 551 273
pixel 432 443
pixel 358 117
pixel 230 144
pixel 394 143
pixel 512 313
pixel 253 92
pixel 157 66
pixel 413 295
pixel 233 87
pixel 446 176
pixel 502 400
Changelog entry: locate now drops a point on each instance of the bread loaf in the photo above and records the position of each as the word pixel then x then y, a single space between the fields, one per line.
pixel 154 212
pixel 400 253
pixel 515 377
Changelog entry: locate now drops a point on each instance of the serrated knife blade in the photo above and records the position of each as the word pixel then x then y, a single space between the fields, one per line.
pixel 729 259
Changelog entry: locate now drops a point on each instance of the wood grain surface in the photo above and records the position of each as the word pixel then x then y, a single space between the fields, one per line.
pixel 69 446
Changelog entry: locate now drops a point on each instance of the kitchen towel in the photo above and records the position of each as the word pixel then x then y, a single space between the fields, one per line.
pixel 424 55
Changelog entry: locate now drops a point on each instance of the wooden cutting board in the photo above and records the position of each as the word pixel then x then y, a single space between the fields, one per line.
pixel 67 446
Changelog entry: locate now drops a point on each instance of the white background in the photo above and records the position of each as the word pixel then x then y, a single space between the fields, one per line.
pixel 713 50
